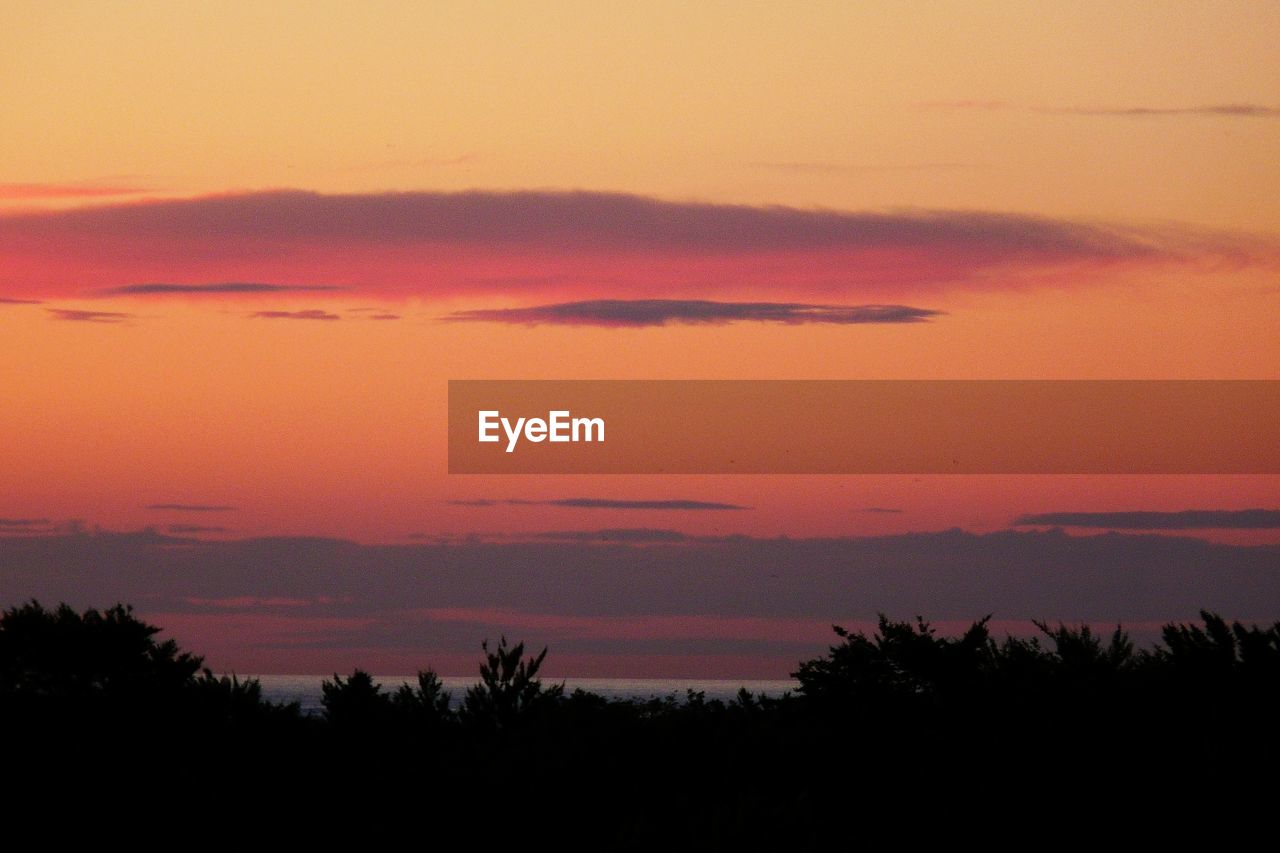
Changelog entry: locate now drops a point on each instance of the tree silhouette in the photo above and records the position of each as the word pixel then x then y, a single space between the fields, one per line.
pixel 357 704
pixel 509 688
pixel 425 705
pixel 84 693
pixel 91 657
pixel 900 660
pixel 1219 648
pixel 234 705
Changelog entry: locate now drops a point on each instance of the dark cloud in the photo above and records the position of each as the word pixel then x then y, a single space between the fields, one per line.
pixel 1192 519
pixel 384 316
pixel 217 287
pixel 638 535
pixel 659 312
pixel 603 503
pixel 577 220
pixel 195 528
pixel 882 509
pixel 7 301
pixel 78 316
pixel 388 602
pixel 308 314
pixel 22 522
pixel 192 507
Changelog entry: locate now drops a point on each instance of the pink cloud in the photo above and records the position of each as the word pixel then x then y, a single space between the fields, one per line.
pixel 549 245
pixel 256 629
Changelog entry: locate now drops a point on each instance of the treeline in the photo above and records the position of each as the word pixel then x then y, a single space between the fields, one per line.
pixel 901 718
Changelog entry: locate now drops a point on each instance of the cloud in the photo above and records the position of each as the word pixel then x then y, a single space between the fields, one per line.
pixel 308 314
pixel 22 522
pixel 635 535
pixel 884 510
pixel 1228 110
pixel 195 528
pixel 603 503
pixel 1192 519
pixel 384 316
pixel 573 245
pixel 216 287
pixel 192 507
pixel 608 535
pixel 248 601
pixel 38 191
pixel 7 301
pixel 659 312
pixel 575 220
pixel 623 631
pixel 380 611
pixel 79 316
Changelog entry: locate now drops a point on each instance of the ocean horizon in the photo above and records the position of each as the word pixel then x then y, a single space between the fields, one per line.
pixel 306 689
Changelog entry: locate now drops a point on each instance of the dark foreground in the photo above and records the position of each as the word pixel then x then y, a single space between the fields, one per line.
pixel 903 734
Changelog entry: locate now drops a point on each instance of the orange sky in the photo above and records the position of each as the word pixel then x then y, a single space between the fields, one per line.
pixel 868 108
pixel 1107 173
pixel 836 104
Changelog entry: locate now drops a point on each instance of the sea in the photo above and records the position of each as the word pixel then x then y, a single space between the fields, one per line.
pixel 305 689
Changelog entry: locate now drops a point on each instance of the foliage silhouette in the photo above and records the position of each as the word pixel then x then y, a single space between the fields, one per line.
pixel 900 661
pixel 357 703
pixel 906 721
pixel 1219 649
pixel 425 705
pixel 63 655
pixel 237 706
pixel 509 689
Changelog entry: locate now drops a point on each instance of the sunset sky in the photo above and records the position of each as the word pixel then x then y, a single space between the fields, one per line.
pixel 244 247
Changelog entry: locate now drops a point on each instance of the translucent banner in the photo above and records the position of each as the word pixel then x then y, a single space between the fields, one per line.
pixel 864 427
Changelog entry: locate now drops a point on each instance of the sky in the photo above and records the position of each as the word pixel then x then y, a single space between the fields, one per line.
pixel 244 247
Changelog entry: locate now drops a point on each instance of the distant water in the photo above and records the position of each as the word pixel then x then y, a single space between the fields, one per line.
pixel 305 689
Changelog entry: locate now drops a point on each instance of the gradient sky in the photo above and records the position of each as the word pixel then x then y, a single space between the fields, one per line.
pixel 243 248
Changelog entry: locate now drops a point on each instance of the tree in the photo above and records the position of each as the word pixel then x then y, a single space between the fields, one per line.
pixel 357 703
pixel 94 657
pixel 230 704
pixel 509 688
pixel 1219 649
pixel 900 661
pixel 426 705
